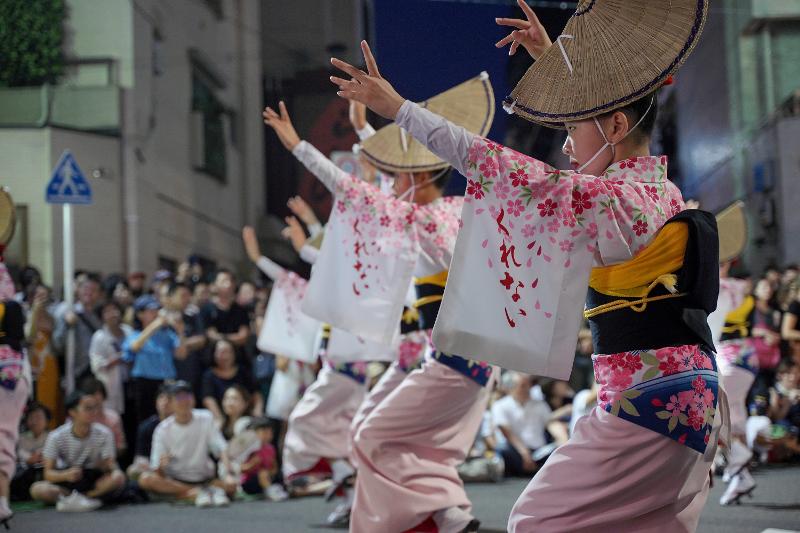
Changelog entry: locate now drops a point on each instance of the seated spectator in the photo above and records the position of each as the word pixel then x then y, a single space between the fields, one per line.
pixel 152 349
pixel 144 433
pixel 558 395
pixel 225 373
pixel 259 470
pixel 30 461
pixel 483 463
pixel 784 410
pixel 80 467
pixel 106 416
pixel 582 404
pixel 235 408
pixel 31 441
pixel 180 459
pixel 521 422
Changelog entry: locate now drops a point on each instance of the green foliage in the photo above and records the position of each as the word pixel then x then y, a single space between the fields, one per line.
pixel 31 37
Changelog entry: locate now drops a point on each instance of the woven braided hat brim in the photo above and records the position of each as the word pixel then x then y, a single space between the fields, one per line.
pixel 732 228
pixel 469 104
pixel 610 53
pixel 8 217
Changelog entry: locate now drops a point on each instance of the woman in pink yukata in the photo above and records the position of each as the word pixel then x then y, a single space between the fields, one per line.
pixel 318 426
pixel 407 464
pixel 640 460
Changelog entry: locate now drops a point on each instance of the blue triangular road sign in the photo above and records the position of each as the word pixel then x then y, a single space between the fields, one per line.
pixel 68 184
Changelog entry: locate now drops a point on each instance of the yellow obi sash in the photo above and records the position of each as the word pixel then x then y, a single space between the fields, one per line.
pixel 736 321
pixel 2 315
pixel 439 280
pixel 638 277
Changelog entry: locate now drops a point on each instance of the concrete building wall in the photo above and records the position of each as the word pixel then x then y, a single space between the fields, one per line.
pixel 182 210
pixel 151 202
pixel 29 156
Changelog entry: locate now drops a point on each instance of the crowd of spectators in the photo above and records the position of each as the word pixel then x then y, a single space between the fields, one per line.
pixel 171 397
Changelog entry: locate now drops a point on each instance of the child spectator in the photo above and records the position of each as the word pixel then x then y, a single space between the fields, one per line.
pixel 106 416
pixel 30 461
pixel 260 468
pixel 80 467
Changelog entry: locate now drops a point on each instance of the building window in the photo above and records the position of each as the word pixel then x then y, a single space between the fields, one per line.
pixel 209 124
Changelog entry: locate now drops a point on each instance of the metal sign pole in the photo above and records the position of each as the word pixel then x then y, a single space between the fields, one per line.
pixel 69 293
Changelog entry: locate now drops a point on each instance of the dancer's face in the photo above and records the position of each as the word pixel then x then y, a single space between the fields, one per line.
pixel 402 183
pixel 583 141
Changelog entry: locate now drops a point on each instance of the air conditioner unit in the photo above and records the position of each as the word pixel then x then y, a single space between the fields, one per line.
pixel 197 139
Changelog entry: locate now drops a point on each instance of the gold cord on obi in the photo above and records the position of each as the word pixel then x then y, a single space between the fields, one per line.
pixel 439 279
pixel 410 315
pixel 736 321
pixel 638 277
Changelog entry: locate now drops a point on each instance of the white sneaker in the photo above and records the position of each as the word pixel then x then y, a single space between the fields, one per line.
pixel 741 484
pixel 738 457
pixel 497 468
pixel 77 503
pixel 203 498
pixel 455 519
pixel 340 515
pixel 276 493
pixel 219 498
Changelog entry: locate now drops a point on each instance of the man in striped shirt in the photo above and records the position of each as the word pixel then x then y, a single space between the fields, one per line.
pixel 80 464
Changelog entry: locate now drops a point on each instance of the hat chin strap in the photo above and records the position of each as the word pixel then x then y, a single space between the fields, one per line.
pixel 610 144
pixel 409 194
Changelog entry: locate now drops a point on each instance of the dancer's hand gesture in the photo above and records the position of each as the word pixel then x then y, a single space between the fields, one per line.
pixel 251 244
pixel 282 125
pixel 368 88
pixel 529 33
pixel 358 115
pixel 303 211
pixel 295 233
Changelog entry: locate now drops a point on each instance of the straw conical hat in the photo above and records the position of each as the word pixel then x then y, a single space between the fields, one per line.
pixel 470 105
pixel 611 53
pixel 732 227
pixel 8 217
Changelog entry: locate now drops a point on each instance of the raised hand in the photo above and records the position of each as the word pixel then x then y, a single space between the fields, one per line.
pixel 282 125
pixel 251 243
pixel 529 33
pixel 295 233
pixel 358 115
pixel 368 88
pixel 302 210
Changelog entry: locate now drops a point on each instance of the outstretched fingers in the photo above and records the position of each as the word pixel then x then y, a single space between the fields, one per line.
pixel 354 73
pixel 529 14
pixel 270 115
pixel 284 112
pixel 349 85
pixel 369 59
pixel 516 23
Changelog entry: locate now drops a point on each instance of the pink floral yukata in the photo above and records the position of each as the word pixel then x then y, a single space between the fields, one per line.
pixel 554 217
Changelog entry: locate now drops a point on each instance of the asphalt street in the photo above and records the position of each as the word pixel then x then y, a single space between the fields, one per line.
pixel 775 504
